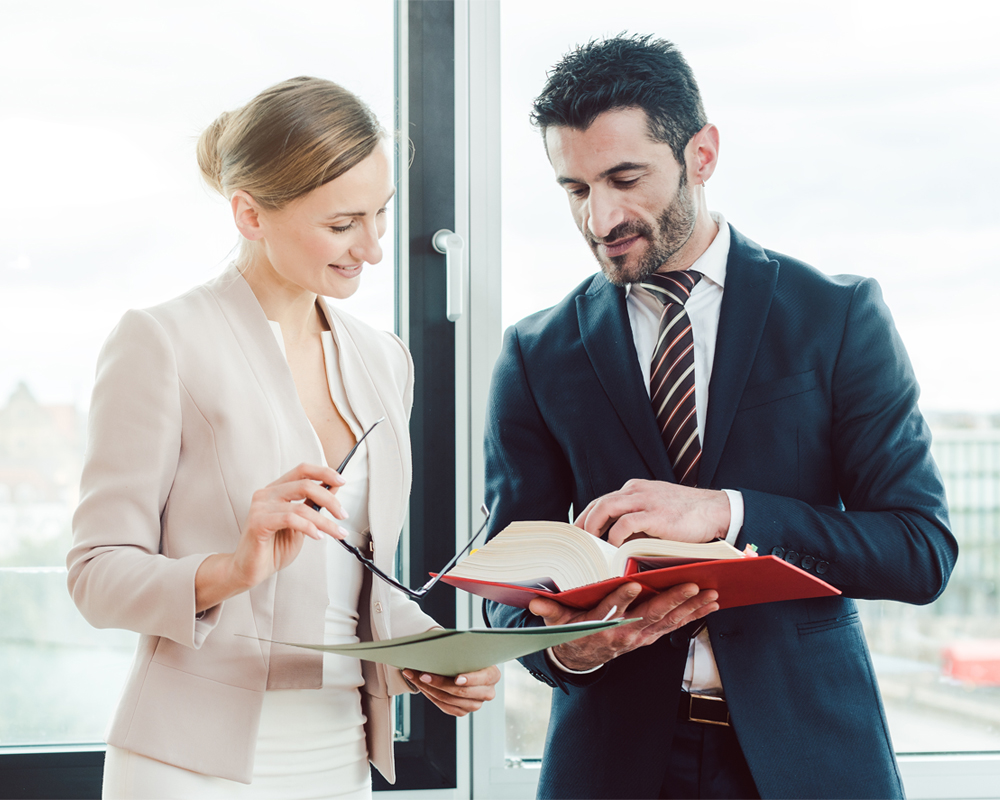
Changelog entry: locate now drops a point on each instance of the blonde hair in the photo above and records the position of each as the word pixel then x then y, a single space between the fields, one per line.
pixel 287 141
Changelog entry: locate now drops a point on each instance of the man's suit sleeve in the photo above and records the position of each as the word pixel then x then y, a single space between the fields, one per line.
pixel 527 477
pixel 891 537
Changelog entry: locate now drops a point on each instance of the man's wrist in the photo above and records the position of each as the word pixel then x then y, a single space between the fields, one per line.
pixel 554 659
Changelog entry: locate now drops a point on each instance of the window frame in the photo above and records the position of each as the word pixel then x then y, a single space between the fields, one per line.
pixel 427 755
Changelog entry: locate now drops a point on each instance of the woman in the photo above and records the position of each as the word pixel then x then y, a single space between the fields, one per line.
pixel 186 534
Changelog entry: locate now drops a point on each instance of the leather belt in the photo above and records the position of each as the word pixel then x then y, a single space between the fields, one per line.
pixel 705 708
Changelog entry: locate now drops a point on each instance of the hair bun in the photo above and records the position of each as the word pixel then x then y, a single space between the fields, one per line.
pixel 287 140
pixel 209 153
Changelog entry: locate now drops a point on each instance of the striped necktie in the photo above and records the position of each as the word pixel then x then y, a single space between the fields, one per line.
pixel 671 373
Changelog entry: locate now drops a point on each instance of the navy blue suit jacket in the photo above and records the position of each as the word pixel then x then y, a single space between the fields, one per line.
pixel 813 416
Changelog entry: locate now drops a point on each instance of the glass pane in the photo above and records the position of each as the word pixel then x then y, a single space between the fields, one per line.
pixel 839 127
pixel 103 209
pixel 526 708
pixel 939 666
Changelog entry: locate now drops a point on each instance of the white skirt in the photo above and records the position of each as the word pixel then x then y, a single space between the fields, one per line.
pixel 304 751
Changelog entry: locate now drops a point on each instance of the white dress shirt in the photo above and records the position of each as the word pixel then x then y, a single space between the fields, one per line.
pixel 703 308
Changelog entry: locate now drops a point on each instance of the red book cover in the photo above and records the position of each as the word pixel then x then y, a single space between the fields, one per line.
pixel 739 582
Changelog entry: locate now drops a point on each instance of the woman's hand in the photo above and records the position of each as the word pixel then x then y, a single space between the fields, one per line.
pixel 456 696
pixel 280 516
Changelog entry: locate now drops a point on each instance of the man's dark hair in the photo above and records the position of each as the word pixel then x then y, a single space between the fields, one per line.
pixel 624 72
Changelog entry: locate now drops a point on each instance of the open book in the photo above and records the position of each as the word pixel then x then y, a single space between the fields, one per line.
pixel 561 561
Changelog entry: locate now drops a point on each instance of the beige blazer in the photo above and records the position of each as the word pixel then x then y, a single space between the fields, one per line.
pixel 194 408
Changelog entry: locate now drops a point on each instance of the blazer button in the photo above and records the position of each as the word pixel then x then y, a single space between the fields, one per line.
pixel 378 608
pixel 822 567
pixel 792 557
pixel 807 562
pixel 778 551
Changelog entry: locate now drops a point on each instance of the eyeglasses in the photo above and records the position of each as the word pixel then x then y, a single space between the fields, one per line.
pixel 368 564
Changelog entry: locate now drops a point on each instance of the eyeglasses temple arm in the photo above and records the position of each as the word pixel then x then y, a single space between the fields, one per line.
pixel 370 565
pixel 357 444
pixel 416 594
pixel 447 567
pixel 347 458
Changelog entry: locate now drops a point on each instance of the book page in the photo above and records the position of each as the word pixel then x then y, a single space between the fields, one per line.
pixel 540 551
pixel 657 553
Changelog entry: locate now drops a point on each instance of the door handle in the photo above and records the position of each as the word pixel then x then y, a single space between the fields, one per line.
pixel 451 245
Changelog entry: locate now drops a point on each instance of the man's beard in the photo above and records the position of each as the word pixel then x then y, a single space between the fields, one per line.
pixel 674 227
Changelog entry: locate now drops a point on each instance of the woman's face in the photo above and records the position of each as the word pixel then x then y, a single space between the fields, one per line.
pixel 321 241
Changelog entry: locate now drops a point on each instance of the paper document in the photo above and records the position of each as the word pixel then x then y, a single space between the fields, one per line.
pixel 451 652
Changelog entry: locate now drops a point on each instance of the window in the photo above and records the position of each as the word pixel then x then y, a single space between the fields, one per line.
pixel 105 210
pixel 837 121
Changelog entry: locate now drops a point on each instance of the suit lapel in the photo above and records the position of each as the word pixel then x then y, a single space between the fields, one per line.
pixel 610 346
pixel 751 278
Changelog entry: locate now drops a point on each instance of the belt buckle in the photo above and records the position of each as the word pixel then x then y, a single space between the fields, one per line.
pixel 709 698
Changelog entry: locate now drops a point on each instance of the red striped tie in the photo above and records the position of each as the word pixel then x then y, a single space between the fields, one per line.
pixel 671 373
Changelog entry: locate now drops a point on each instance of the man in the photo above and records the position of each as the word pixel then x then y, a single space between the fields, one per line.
pixel 704 387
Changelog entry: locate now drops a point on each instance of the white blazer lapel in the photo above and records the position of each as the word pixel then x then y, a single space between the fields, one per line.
pixel 264 356
pixel 373 392
pixel 295 613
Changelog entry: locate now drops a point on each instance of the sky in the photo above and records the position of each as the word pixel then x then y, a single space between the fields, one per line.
pixel 856 136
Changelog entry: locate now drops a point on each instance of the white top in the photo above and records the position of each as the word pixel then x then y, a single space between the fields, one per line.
pixel 325 729
pixel 344 573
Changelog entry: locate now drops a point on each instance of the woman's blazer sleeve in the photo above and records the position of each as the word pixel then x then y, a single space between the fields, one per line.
pixel 117 575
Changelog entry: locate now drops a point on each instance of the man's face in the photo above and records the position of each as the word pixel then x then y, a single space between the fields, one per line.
pixel 630 198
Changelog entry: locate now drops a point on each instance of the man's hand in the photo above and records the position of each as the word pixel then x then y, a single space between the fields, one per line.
pixel 658 509
pixel 660 615
pixel 456 696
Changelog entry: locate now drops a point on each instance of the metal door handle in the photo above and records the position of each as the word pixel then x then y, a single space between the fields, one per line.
pixel 451 245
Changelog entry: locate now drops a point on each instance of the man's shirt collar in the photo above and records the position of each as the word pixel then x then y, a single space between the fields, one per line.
pixel 712 263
